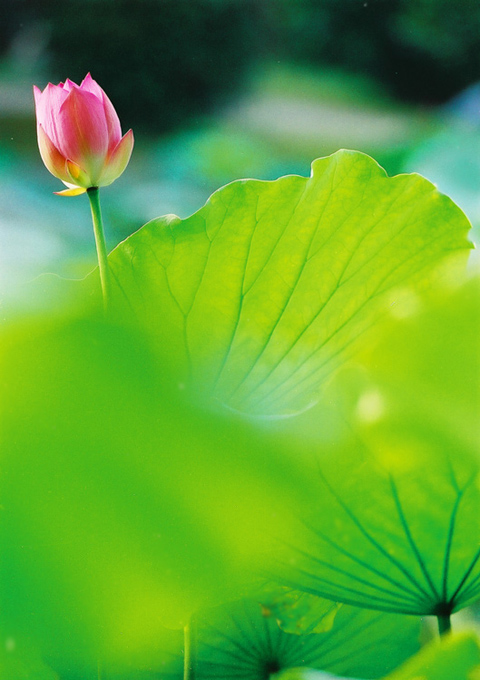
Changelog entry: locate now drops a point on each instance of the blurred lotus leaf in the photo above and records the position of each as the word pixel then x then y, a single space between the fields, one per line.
pixel 396 530
pixel 123 506
pixel 237 640
pixel 424 369
pixel 20 660
pixel 452 658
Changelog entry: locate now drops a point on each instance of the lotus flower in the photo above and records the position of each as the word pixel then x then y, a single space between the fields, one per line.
pixel 79 135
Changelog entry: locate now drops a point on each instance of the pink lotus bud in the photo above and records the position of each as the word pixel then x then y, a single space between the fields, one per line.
pixel 79 135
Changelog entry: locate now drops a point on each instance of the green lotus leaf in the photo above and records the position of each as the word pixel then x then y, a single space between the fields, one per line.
pixel 238 641
pixel 258 296
pixel 394 529
pixel 452 658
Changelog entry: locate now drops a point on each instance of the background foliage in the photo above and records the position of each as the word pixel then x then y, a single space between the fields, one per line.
pixel 134 46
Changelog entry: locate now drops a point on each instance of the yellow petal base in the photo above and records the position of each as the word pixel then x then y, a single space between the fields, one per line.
pixel 71 192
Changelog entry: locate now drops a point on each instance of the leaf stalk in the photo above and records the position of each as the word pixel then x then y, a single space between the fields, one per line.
pixel 444 624
pixel 189 652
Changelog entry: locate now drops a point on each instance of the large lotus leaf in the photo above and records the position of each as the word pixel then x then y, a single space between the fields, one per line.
pixel 394 528
pixel 452 658
pixel 259 295
pixel 238 641
pixel 122 506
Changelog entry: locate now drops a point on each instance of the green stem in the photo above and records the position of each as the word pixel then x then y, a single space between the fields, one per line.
pixel 94 198
pixel 444 624
pixel 189 652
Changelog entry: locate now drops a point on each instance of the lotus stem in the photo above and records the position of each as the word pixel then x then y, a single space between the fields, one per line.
pixel 189 652
pixel 444 624
pixel 94 198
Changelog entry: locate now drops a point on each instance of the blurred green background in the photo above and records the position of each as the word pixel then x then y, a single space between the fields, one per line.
pixel 221 89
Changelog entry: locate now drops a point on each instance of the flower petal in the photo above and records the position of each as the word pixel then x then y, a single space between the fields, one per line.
pixel 118 161
pixel 90 85
pixel 82 129
pixel 47 105
pixel 71 192
pixel 37 94
pixel 68 85
pixel 51 156
pixel 113 123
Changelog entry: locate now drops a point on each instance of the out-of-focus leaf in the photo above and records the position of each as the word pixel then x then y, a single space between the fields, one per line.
pixel 259 295
pixel 424 368
pixel 395 530
pixel 164 661
pixel 451 658
pixel 299 613
pixel 393 519
pixel 123 507
pixel 19 660
pixel 238 641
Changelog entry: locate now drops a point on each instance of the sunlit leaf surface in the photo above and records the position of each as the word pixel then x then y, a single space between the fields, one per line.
pixel 424 368
pixel 453 658
pixel 259 295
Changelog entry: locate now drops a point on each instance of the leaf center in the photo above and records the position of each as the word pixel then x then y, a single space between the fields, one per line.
pixel 272 666
pixel 443 609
